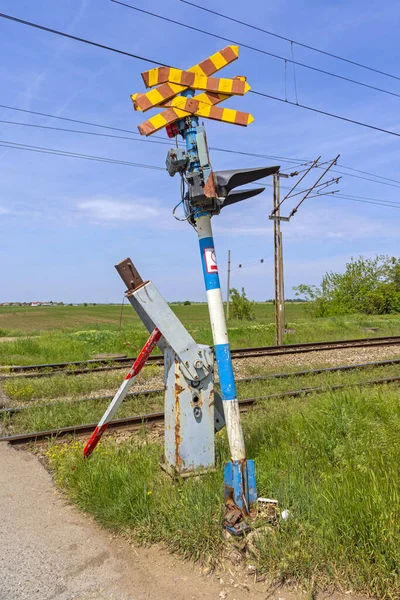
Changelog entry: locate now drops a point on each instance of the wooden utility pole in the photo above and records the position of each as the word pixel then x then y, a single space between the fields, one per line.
pixel 278 266
pixel 228 285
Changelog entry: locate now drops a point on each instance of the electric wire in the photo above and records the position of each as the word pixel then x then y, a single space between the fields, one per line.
pixel 79 39
pixel 254 49
pixel 299 162
pixel 281 37
pixel 69 154
pixel 309 108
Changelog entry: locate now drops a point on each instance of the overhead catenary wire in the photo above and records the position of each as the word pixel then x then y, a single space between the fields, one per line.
pixel 252 263
pixel 255 49
pixel 297 43
pixel 271 97
pixel 69 154
pixel 80 39
pixel 310 108
pixel 216 149
pixel 294 161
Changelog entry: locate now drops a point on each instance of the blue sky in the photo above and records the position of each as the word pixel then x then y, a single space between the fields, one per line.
pixel 65 222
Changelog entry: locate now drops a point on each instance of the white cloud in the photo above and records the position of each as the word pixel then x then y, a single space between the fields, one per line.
pixel 4 211
pixel 108 210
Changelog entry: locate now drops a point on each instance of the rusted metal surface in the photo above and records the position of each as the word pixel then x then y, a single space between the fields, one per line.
pixel 178 389
pixel 189 418
pixel 129 274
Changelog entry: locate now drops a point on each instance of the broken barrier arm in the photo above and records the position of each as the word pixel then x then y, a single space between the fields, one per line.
pixel 122 391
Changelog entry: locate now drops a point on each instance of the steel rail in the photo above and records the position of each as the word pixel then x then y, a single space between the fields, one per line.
pixel 383 363
pixel 40 369
pixel 137 421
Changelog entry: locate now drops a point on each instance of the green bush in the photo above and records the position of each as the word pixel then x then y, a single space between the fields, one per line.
pixel 241 307
pixel 368 285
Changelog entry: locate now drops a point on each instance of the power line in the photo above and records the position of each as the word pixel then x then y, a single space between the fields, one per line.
pixel 391 182
pixel 323 112
pixel 254 49
pixel 140 139
pixel 383 203
pixel 281 37
pixel 69 154
pixel 79 39
pixel 310 108
pixel 107 135
pixel 103 159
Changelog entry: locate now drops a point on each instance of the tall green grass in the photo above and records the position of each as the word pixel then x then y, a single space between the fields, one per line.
pixel 41 416
pixel 331 459
pixel 59 336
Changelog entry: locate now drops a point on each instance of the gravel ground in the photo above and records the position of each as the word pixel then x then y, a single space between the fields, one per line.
pixel 310 360
pixel 243 368
pixel 291 362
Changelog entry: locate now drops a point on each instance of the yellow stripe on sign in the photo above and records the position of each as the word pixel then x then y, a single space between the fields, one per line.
pixel 205 110
pixel 203 97
pixel 225 85
pixel 153 77
pixel 228 115
pixel 159 121
pixel 154 97
pixel 218 60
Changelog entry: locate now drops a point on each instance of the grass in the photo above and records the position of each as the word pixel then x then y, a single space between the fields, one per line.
pixel 58 334
pixel 331 459
pixel 64 414
pixel 72 386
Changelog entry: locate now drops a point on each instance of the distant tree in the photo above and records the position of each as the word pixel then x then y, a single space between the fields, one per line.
pixel 240 306
pixel 368 285
pixel 187 303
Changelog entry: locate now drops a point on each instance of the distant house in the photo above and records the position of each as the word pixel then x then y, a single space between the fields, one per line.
pixel 6 304
pixel 46 303
pixel 35 303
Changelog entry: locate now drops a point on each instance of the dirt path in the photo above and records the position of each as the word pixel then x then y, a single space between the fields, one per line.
pixel 49 550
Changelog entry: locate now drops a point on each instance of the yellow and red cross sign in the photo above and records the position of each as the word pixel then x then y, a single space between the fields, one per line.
pixel 168 83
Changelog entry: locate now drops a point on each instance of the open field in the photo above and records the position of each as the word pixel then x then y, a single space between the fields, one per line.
pixel 66 333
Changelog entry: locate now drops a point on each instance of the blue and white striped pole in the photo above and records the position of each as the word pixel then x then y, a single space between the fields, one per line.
pixel 220 337
pixel 239 475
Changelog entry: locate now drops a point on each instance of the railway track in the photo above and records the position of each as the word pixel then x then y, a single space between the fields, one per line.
pixel 96 365
pixel 153 419
pixel 341 368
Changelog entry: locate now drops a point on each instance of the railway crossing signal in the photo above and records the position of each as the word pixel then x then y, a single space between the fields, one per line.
pixel 173 90
pixel 193 410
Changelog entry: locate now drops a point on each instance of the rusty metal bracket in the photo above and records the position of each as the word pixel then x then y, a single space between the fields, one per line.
pixel 129 274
